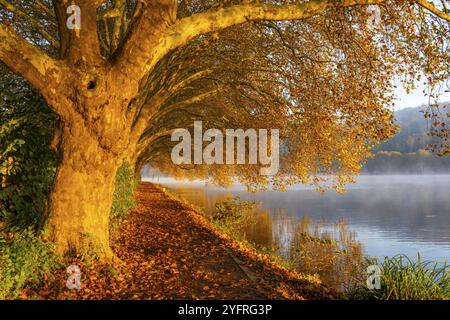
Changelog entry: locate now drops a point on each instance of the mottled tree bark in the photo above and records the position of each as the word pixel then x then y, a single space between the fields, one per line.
pixel 82 195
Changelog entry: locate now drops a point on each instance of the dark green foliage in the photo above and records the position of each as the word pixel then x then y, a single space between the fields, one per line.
pixel 27 163
pixel 24 261
pixel 27 169
pixel 126 183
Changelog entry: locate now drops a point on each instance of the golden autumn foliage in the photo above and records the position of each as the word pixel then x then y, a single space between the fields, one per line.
pixel 136 70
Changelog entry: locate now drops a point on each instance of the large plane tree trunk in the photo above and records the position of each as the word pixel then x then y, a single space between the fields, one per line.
pixel 81 199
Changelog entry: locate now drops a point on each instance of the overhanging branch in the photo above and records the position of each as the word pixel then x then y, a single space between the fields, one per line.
pixel 433 9
pixel 43 72
pixel 19 13
pixel 142 51
pixel 218 19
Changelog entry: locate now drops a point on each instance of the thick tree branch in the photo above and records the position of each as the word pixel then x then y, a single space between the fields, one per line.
pixel 119 22
pixel 43 72
pixel 151 17
pixel 79 46
pixel 182 104
pixel 64 34
pixel 25 59
pixel 146 141
pixel 433 9
pixel 19 13
pixel 193 77
pixel 161 97
pixel 149 50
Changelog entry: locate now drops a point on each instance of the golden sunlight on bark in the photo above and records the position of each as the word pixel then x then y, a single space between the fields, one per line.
pixel 82 195
pixel 137 70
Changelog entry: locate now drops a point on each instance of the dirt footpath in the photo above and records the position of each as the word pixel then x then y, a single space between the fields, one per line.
pixel 169 251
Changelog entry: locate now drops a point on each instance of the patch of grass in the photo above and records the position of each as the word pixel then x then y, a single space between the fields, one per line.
pixel 124 194
pixel 25 260
pixel 405 279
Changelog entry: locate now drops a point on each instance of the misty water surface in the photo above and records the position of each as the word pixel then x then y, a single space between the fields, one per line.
pixel 396 214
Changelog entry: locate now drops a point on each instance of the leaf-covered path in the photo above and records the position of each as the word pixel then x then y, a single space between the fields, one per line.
pixel 169 251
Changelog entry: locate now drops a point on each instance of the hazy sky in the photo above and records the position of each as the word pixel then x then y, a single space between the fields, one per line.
pixel 414 99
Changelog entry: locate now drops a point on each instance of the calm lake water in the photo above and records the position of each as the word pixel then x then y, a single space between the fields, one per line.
pixel 390 215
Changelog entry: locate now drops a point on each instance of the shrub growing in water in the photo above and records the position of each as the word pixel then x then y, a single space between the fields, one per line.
pixel 329 250
pixel 232 215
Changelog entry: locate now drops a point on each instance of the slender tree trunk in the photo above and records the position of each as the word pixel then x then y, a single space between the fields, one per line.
pixel 82 195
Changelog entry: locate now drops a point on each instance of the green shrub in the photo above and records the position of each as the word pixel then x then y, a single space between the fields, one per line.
pixel 24 261
pixel 233 215
pixel 125 186
pixel 405 279
pixel 27 163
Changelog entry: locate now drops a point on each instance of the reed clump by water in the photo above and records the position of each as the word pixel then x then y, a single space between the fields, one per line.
pixel 405 279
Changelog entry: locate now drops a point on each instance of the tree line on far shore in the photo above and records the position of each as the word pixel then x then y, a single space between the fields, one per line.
pixel 406 153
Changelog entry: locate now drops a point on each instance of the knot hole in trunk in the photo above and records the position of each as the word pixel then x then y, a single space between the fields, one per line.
pixel 91 85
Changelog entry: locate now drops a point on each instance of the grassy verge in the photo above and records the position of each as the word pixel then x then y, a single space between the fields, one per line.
pixel 289 282
pixel 311 250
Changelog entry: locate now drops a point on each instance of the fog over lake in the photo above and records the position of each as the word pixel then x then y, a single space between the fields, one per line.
pixel 391 214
